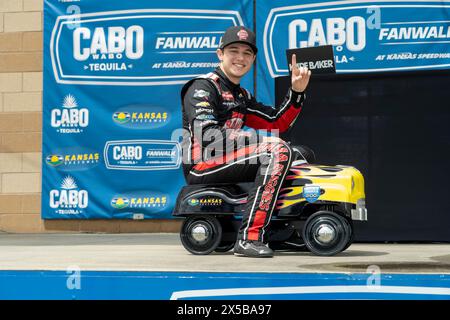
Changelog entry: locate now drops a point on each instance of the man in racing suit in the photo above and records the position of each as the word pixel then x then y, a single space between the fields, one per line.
pixel 214 105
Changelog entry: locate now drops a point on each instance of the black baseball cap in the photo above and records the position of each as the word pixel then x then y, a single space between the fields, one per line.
pixel 239 34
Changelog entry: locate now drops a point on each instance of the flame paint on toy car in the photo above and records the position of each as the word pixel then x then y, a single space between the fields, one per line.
pixel 339 184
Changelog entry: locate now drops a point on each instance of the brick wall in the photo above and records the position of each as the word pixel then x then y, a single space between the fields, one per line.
pixel 21 59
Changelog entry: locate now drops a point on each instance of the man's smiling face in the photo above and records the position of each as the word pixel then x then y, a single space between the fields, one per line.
pixel 237 59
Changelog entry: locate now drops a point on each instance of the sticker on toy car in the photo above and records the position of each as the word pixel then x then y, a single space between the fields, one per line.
pixel 311 193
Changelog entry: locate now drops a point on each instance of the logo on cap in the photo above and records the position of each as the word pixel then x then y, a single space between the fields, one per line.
pixel 242 34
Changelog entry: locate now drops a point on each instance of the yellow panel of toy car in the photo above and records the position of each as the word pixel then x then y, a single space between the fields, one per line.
pixel 338 186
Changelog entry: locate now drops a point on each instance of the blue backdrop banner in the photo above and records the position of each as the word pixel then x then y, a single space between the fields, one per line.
pixel 367 36
pixel 113 72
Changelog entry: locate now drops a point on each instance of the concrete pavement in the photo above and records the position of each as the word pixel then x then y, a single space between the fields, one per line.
pixel 164 252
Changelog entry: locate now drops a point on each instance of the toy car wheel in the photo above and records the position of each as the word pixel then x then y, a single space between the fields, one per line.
pixel 228 235
pixel 326 233
pixel 201 234
pixel 225 246
pixel 352 234
pixel 293 243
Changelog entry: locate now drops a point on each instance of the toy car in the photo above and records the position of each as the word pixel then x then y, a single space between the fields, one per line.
pixel 315 209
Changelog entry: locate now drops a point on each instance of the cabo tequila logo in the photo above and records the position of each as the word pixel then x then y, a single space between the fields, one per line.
pixel 350 32
pixel 347 33
pixel 108 43
pixel 69 199
pixel 69 118
pixel 105 48
pixel 127 155
pixel 110 48
pixel 365 37
pixel 142 154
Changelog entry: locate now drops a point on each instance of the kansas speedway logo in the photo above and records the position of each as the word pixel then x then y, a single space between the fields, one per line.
pixel 121 117
pixel 211 202
pixel 141 117
pixel 140 202
pixel 120 202
pixel 54 160
pixel 73 159
pixel 115 48
pixel 193 202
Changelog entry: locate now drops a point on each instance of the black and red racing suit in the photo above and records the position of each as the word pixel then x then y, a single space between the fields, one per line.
pixel 212 103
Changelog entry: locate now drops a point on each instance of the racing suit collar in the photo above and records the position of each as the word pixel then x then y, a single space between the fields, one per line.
pixel 225 79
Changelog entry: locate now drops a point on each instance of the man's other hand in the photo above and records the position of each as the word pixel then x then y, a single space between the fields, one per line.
pixel 300 76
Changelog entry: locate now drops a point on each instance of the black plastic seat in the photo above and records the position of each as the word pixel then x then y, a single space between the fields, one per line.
pixel 303 153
